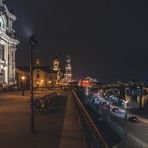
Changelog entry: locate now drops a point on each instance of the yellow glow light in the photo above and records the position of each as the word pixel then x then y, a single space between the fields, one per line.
pixel 23 78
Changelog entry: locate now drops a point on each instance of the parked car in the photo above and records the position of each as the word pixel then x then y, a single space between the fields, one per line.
pixel 133 119
pixel 116 110
pixel 97 101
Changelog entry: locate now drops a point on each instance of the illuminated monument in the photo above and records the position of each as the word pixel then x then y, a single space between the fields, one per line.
pixel 56 68
pixel 56 64
pixel 68 70
pixel 7 46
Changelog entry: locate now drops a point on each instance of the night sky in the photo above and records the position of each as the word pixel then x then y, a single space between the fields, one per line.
pixel 106 39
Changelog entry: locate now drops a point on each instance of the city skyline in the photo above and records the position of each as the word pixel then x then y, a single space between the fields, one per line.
pixel 106 40
pixel 73 74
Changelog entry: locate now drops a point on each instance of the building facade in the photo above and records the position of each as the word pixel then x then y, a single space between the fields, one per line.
pixel 7 47
pixel 23 77
pixel 43 77
pixel 46 76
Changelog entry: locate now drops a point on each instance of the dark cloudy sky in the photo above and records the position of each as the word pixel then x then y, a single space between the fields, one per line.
pixel 107 39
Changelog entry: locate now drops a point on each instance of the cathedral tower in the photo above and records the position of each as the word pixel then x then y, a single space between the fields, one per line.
pixel 68 70
pixel 56 64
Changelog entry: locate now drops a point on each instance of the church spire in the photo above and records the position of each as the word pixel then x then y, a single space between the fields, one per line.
pixel 56 64
pixel 68 69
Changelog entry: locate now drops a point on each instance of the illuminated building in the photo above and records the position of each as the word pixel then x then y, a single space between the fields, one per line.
pixel 68 70
pixel 56 64
pixel 7 47
pixel 56 68
pixel 43 76
pixel 85 83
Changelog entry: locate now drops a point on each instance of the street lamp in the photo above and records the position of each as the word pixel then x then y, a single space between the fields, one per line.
pixel 49 82
pixel 42 84
pixel 126 122
pixel 32 43
pixel 42 81
pixel 23 79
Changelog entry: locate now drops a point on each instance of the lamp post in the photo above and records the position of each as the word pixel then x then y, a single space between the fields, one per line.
pixel 23 80
pixel 126 123
pixel 32 43
pixel 42 84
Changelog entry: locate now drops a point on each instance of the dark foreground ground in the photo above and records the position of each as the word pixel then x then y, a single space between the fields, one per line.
pixel 58 128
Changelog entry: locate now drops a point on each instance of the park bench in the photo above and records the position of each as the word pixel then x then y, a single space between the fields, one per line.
pixel 45 103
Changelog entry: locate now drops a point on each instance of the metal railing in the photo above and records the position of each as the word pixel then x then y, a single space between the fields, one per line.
pixel 92 133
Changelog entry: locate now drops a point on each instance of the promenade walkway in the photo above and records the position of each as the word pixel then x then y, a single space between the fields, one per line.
pixel 58 128
pixel 71 136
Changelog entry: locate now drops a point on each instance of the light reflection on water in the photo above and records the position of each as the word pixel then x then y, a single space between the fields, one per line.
pixel 137 98
pixel 144 103
pixel 138 101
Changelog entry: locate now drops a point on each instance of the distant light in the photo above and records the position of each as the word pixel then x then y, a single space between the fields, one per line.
pixel 23 78
pixel 85 83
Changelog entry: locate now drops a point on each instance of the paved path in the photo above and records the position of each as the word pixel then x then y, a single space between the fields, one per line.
pixel 72 136
pixel 50 128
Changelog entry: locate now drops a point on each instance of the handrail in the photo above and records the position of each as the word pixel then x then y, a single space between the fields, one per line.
pixel 97 133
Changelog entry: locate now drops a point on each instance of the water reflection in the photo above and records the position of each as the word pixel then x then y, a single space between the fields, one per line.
pixel 144 102
pixel 139 102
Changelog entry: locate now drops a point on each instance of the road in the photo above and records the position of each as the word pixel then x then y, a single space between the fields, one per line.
pixel 138 134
